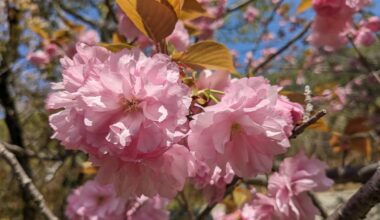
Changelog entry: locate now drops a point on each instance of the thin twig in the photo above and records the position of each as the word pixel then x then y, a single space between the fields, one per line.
pixel 361 202
pixel 301 128
pixel 28 153
pixel 76 15
pixel 238 6
pixel 111 12
pixel 364 60
pixel 282 49
pixel 27 183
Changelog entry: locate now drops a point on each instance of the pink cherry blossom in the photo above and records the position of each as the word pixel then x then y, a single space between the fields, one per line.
pixel 304 174
pixel 236 129
pixel 38 58
pixel 292 113
pixel 251 13
pixel 127 109
pixel 162 175
pixel 372 23
pixel 95 201
pixel 365 37
pixel 213 182
pixel 113 102
pixel 149 208
pixel 217 80
pixel 333 22
pixel 287 191
pixel 180 38
pixel 261 208
pixel 208 24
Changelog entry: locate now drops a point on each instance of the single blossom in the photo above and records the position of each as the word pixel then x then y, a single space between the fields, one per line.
pixel 95 201
pixel 164 175
pixel 213 182
pixel 372 23
pixel 333 22
pixel 287 191
pixel 127 111
pixel 251 13
pixel 365 37
pixel 38 58
pixel 244 129
pixel 180 38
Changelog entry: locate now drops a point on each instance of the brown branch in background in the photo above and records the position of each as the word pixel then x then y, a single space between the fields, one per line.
pixel 361 202
pixel 301 128
pixel 111 12
pixel 24 152
pixel 266 24
pixel 26 183
pixel 12 121
pixel 357 174
pixel 282 49
pixel 238 6
pixel 364 60
pixel 71 12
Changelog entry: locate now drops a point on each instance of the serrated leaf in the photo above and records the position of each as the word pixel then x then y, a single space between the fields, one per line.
pixel 206 55
pixel 304 5
pixel 192 9
pixel 115 47
pixel 129 8
pixel 159 19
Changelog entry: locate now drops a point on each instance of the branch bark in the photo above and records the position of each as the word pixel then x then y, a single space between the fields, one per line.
pixel 301 128
pixel 26 183
pixel 282 49
pixel 361 202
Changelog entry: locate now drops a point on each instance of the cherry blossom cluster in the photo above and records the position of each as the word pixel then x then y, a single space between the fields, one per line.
pixel 95 201
pixel 288 189
pixel 333 24
pixel 131 114
pixel 52 50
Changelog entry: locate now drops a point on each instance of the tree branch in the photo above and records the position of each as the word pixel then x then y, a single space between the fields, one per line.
pixel 27 183
pixel 282 49
pixel 361 202
pixel 71 12
pixel 301 128
pixel 24 152
pixel 238 6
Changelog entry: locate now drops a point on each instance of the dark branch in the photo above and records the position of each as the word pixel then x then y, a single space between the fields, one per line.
pixel 301 128
pixel 239 6
pixel 361 202
pixel 71 12
pixel 282 49
pixel 24 152
pixel 26 183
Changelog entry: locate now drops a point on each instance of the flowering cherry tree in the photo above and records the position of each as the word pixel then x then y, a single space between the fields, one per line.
pixel 160 117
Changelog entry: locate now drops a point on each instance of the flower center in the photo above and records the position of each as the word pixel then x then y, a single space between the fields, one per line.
pixel 129 105
pixel 235 129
